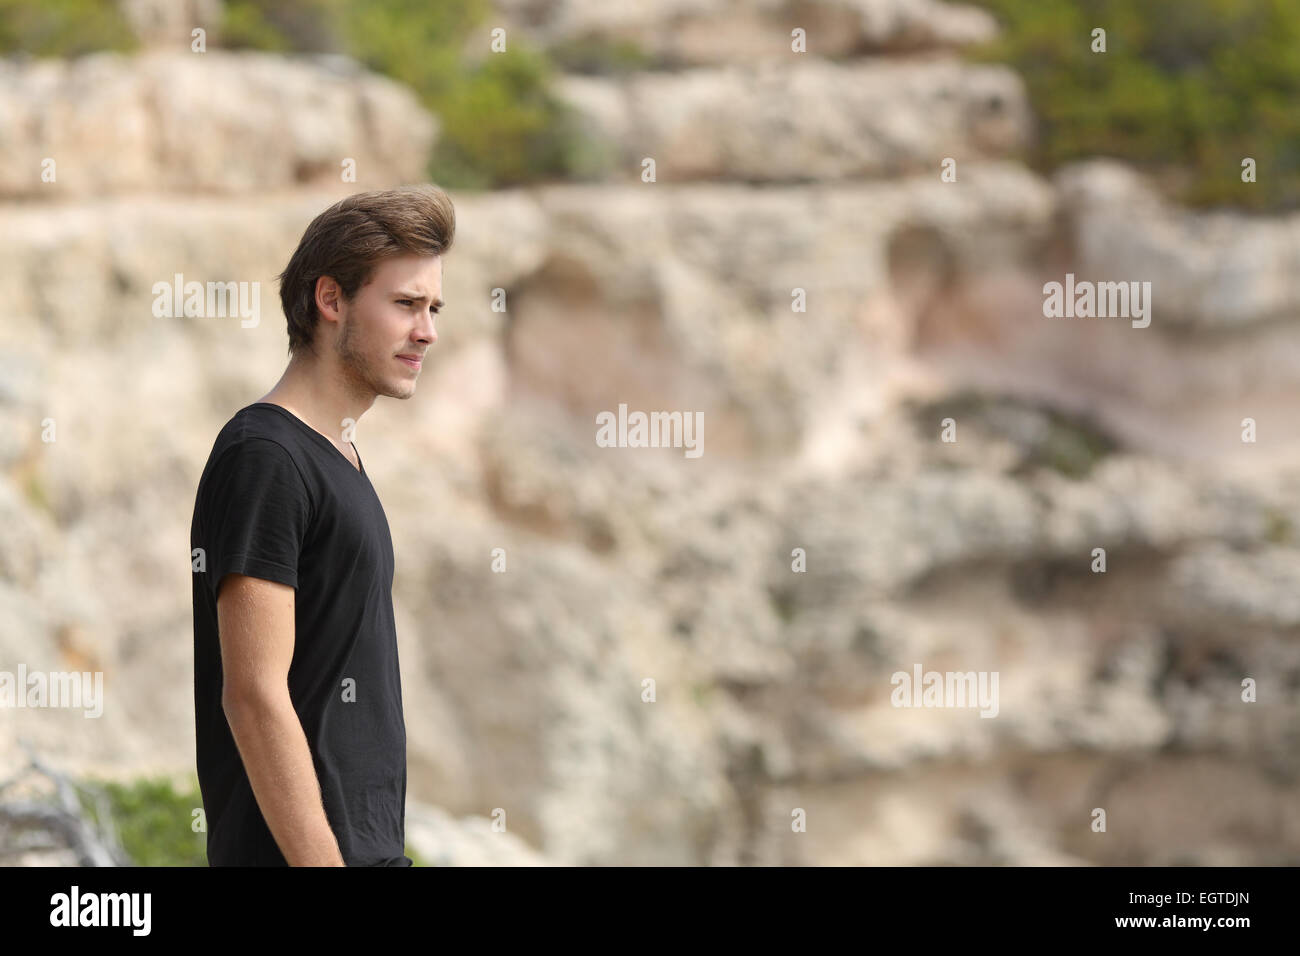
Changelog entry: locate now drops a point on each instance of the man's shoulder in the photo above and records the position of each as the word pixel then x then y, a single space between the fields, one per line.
pixel 255 438
pixel 253 425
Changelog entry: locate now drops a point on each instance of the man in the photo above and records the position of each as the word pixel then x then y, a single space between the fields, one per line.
pixel 300 736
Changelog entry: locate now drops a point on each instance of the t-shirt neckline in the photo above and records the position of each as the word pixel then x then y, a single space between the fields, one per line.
pixel 320 437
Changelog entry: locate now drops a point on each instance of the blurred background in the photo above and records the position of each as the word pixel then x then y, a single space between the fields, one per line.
pixel 795 265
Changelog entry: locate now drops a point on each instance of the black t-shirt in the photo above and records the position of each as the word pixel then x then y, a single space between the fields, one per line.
pixel 278 500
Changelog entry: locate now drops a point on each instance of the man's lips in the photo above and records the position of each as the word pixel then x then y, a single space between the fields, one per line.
pixel 415 361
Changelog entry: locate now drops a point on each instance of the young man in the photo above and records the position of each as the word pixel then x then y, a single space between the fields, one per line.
pixel 300 736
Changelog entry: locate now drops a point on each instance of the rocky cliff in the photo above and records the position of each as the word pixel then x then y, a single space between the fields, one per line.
pixel 776 175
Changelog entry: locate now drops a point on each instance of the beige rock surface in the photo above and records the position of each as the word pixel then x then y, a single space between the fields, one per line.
pixel 526 691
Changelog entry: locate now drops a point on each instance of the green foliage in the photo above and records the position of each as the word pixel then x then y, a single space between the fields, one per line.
pixel 255 26
pixel 1186 89
pixel 415 42
pixel 500 124
pixel 64 28
pixel 1044 437
pixel 603 57
pixel 783 603
pixel 37 493
pixel 1278 527
pixel 154 822
pixel 1071 445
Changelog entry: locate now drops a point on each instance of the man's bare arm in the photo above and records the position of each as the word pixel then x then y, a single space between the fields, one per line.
pixel 255 619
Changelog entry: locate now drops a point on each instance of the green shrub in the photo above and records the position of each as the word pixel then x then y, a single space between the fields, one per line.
pixel 38 493
pixel 65 28
pixel 602 57
pixel 302 26
pixel 153 821
pixel 1186 89
pixel 501 126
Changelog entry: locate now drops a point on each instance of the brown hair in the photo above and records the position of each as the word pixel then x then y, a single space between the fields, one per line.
pixel 351 237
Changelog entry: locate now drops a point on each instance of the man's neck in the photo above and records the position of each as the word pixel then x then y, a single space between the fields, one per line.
pixel 320 397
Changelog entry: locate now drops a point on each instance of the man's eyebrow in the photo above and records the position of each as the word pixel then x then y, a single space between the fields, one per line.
pixel 418 298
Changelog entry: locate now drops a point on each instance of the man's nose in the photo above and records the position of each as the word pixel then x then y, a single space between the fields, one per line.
pixel 426 332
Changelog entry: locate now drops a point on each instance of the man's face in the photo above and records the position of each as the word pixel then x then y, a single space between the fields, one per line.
pixel 385 331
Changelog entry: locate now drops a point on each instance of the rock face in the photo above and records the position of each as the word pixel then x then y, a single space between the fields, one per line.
pixel 808 122
pixel 1210 270
pixel 683 655
pixel 171 121
pixel 695 32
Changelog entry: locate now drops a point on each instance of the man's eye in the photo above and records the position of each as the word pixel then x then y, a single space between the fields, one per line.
pixel 405 300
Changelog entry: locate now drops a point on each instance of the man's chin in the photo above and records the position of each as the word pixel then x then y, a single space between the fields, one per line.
pixel 405 390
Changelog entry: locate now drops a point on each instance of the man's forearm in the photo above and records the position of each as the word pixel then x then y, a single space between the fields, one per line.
pixel 278 761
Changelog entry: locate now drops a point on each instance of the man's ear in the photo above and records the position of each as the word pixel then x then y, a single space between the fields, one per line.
pixel 329 296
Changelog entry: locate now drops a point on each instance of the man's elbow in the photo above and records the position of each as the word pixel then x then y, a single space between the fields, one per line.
pixel 253 701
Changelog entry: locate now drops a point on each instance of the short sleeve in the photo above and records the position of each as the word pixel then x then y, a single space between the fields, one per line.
pixel 256 512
